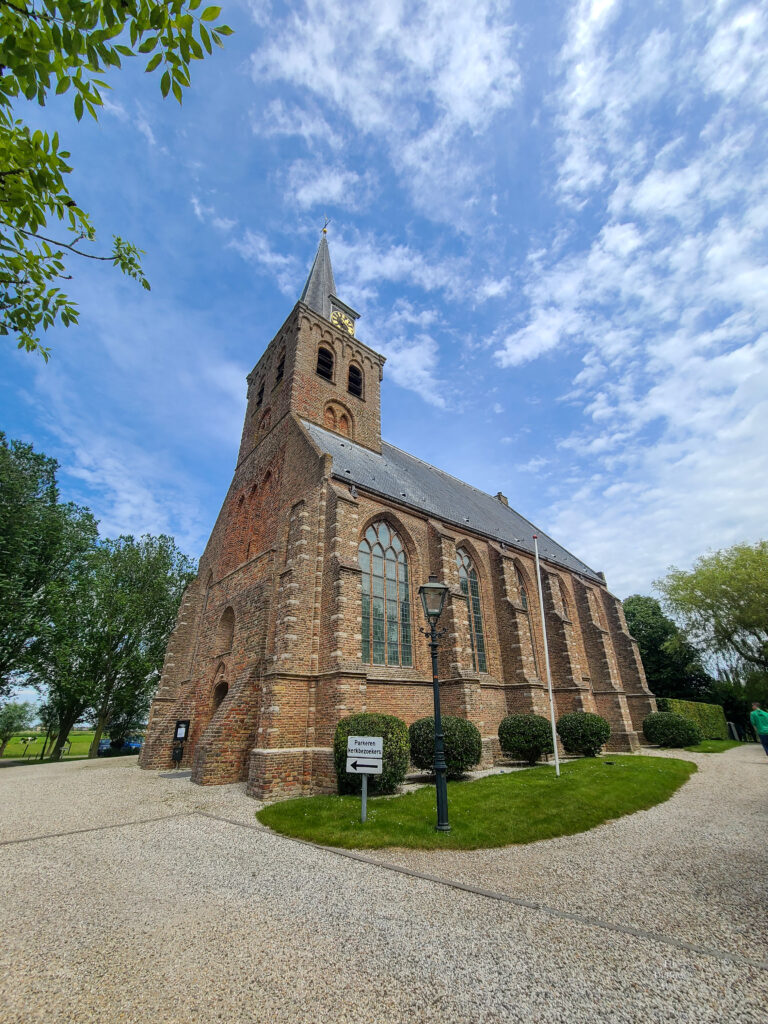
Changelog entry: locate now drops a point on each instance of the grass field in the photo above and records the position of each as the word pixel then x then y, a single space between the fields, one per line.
pixel 498 810
pixel 79 744
pixel 714 746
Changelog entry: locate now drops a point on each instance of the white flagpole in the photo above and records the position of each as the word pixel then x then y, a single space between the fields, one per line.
pixel 546 656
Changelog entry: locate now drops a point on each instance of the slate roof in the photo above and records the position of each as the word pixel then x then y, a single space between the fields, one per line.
pixel 407 480
pixel 320 284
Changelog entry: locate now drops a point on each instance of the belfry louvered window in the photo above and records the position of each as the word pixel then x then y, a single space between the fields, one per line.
pixel 325 363
pixel 355 381
pixel 527 610
pixel 386 612
pixel 471 589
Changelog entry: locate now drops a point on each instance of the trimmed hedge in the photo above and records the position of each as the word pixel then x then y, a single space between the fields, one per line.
pixel 583 733
pixel 463 745
pixel 525 737
pixel 667 729
pixel 710 718
pixel 396 759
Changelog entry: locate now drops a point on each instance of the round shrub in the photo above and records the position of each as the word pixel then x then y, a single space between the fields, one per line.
pixel 463 746
pixel 396 759
pixel 667 729
pixel 525 737
pixel 583 733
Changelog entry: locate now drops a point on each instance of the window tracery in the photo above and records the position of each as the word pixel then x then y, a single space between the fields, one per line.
pixel 386 611
pixel 471 589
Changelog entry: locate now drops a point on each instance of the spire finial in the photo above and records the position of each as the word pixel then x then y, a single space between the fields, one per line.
pixel 325 226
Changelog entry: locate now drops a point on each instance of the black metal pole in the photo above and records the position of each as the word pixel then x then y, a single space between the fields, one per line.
pixel 440 765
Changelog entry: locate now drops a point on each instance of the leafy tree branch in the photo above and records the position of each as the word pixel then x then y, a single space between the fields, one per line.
pixel 61 45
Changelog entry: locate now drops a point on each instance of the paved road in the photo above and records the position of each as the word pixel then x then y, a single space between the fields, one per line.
pixel 127 896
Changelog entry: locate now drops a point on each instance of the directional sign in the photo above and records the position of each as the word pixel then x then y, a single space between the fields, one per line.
pixel 365 755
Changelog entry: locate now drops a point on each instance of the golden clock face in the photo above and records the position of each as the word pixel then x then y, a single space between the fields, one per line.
pixel 342 320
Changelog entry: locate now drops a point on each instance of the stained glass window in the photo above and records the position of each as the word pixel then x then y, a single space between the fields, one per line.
pixel 386 618
pixel 471 589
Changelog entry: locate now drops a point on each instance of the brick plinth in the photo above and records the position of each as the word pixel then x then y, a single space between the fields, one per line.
pixel 290 772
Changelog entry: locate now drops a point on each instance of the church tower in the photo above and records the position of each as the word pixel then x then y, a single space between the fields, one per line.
pixel 316 368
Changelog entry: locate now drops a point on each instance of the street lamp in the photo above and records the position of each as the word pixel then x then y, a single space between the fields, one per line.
pixel 433 598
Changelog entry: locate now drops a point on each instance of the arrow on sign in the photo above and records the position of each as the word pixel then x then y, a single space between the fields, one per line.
pixel 364 764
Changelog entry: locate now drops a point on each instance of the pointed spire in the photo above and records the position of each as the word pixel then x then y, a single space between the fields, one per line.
pixel 320 285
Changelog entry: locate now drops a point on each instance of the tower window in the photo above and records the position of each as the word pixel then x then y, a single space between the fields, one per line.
pixel 325 363
pixel 471 590
pixel 355 381
pixel 260 396
pixel 386 618
pixel 280 369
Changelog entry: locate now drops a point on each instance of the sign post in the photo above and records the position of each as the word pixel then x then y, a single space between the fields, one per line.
pixel 365 756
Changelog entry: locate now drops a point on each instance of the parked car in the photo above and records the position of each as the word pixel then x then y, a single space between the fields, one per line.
pixel 105 748
pixel 132 745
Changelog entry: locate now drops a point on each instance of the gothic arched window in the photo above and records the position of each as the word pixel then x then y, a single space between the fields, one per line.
pixel 325 363
pixel 355 381
pixel 527 610
pixel 386 618
pixel 226 631
pixel 471 590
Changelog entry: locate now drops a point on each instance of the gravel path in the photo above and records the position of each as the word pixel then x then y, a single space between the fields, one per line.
pixel 175 906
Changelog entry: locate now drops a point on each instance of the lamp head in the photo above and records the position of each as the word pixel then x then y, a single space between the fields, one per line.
pixel 433 598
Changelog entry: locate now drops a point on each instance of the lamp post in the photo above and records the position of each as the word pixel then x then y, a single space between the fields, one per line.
pixel 433 598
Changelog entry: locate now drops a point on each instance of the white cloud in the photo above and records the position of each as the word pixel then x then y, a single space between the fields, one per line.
pixel 533 465
pixel 310 184
pixel 422 78
pixel 492 288
pixel 143 126
pixel 255 248
pixel 667 302
pixel 280 118
pixel 412 363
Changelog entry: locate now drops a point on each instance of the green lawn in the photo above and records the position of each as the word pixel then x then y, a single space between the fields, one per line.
pixel 80 742
pixel 498 810
pixel 713 746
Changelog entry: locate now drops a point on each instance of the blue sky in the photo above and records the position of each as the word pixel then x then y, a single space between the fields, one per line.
pixel 552 218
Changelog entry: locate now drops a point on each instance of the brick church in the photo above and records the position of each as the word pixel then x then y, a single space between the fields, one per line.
pixel 306 609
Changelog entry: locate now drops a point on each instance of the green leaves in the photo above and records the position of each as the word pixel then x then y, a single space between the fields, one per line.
pixel 63 45
pixel 723 602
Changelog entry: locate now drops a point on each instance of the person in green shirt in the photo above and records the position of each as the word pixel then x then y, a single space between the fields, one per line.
pixel 759 720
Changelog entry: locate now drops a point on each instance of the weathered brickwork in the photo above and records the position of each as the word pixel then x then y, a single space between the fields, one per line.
pixel 266 654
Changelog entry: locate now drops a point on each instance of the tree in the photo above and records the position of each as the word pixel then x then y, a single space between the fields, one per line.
pixel 39 539
pixel 672 665
pixel 723 603
pixel 70 45
pixel 108 629
pixel 13 718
